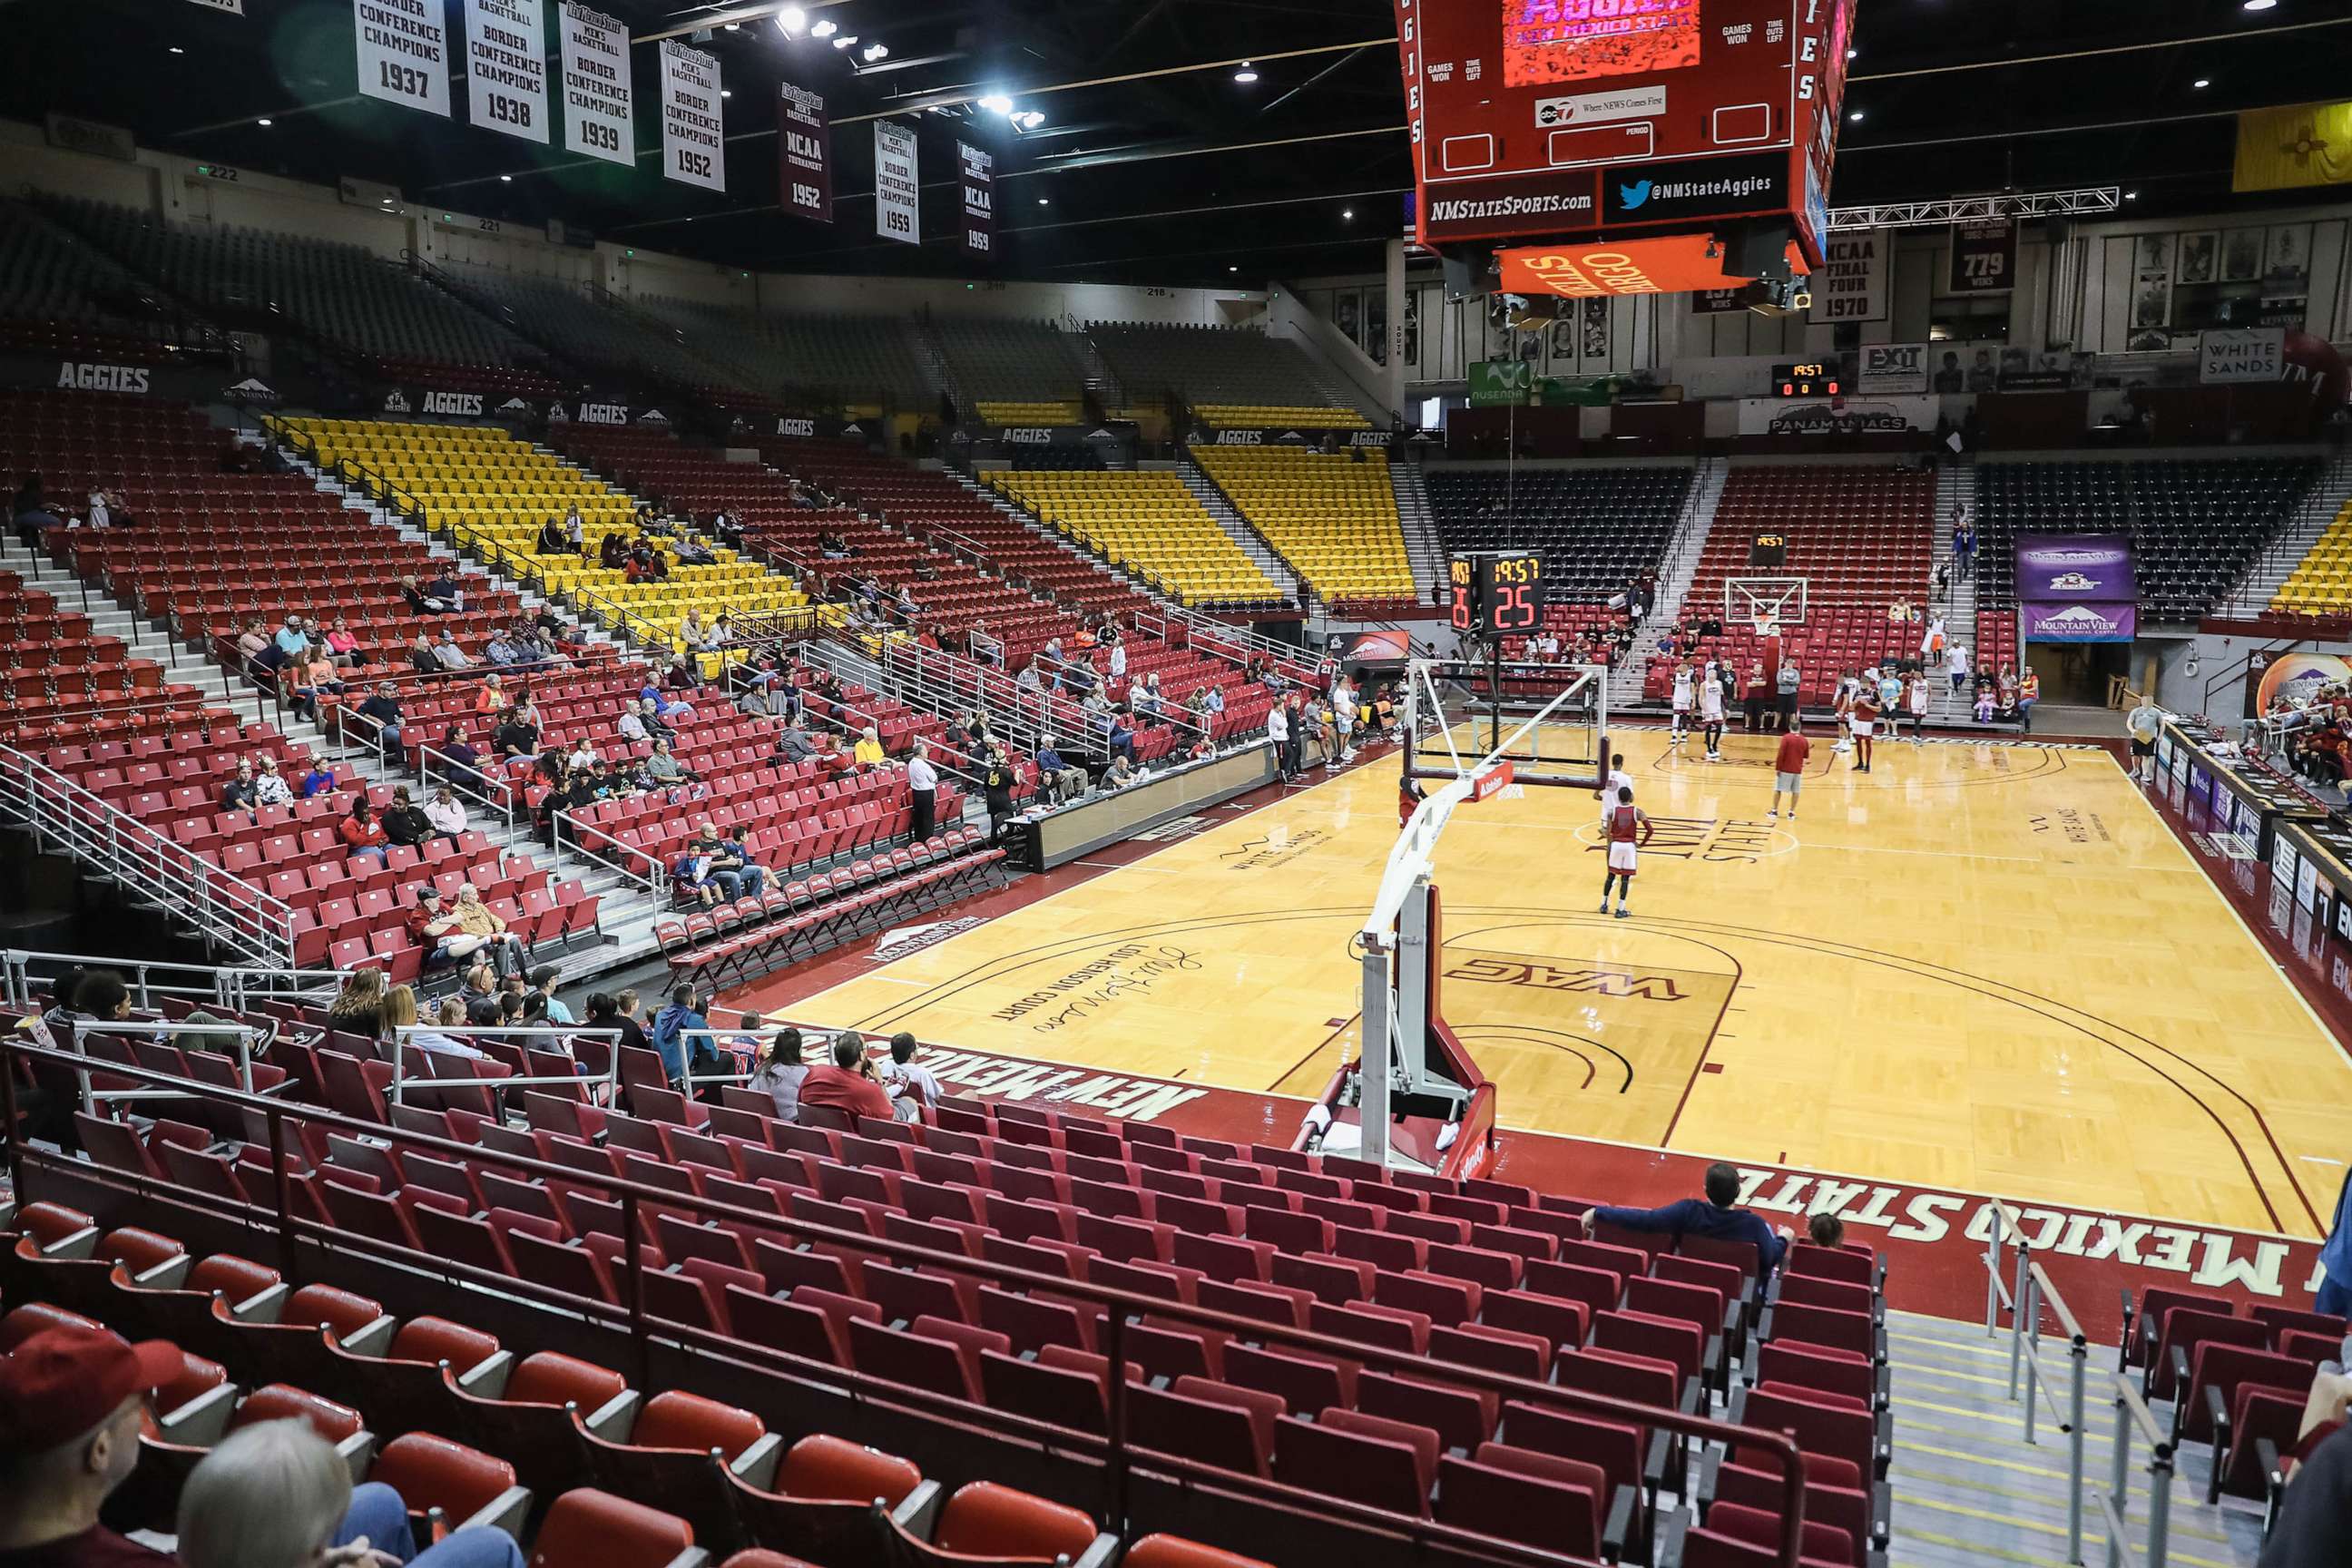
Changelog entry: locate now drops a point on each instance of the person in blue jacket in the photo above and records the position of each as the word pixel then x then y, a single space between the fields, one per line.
pixel 2336 1258
pixel 1713 1216
pixel 670 1038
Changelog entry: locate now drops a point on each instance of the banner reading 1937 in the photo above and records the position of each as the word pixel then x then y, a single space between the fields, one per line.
pixel 805 152
pixel 404 53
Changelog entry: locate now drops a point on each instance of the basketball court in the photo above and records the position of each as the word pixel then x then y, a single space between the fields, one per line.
pixel 1986 967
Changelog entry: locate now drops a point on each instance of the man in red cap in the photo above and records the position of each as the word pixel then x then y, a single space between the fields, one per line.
pixel 70 1404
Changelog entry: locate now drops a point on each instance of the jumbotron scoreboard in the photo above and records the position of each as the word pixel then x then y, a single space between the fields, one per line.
pixel 1556 118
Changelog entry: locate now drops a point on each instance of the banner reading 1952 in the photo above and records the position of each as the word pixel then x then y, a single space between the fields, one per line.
pixel 977 170
pixel 694 124
pixel 804 153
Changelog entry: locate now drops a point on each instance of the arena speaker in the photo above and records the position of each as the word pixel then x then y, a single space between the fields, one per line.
pixel 1758 250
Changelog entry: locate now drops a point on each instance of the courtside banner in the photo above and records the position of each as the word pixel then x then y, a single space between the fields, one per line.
pixel 2075 567
pixel 404 53
pixel 806 150
pixel 694 125
pixel 597 103
pixel 977 171
pixel 897 188
pixel 505 67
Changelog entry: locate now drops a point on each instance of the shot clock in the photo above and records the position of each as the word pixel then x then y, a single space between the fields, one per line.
pixel 1496 593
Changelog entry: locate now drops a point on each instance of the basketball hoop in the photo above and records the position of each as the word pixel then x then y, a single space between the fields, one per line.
pixel 1767 625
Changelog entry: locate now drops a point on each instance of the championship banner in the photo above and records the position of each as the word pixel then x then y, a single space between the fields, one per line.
pixel 1893 367
pixel 404 53
pixel 505 67
pixel 1984 257
pixel 805 150
pixel 977 183
pixel 2301 144
pixel 598 104
pixel 898 190
pixel 693 126
pixel 1850 285
pixel 234 7
pixel 2094 567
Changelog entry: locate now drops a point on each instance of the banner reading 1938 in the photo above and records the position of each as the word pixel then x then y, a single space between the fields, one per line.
pixel 506 65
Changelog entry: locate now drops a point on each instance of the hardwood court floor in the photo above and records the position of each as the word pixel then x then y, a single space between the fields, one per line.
pixel 1985 966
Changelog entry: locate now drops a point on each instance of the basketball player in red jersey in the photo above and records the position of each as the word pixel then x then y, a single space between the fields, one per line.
pixel 1864 722
pixel 1628 829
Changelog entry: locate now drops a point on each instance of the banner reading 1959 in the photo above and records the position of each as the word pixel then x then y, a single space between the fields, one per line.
pixel 805 152
pixel 404 53
pixel 506 65
pixel 694 125
pixel 977 170
pixel 598 101
pixel 897 187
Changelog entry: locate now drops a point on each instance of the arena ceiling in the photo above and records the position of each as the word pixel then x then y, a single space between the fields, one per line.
pixel 1151 162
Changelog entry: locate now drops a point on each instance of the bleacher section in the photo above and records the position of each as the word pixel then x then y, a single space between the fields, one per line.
pixel 855 361
pixel 1149 523
pixel 492 493
pixel 1013 373
pixel 61 297
pixel 1230 375
pixel 2321 583
pixel 589 332
pixel 2195 523
pixel 344 295
pixel 1332 516
pixel 1084 1241
pixel 1595 526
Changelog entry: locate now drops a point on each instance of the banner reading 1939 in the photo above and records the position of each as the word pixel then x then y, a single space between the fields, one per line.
pixel 598 100
pixel 977 181
pixel 694 125
pixel 805 152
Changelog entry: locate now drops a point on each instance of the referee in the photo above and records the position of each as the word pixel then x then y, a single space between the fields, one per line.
pixel 923 779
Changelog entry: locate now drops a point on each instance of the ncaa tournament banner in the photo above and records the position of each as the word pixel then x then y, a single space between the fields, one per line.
pixel 806 150
pixel 1984 257
pixel 693 126
pixel 505 67
pixel 597 99
pixel 898 190
pixel 978 185
pixel 2092 567
pixel 404 53
pixel 1891 367
pixel 1850 285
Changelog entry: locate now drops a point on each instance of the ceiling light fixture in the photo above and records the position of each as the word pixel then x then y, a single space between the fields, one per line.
pixel 177 50
pixel 734 26
pixel 2131 195
pixel 825 28
pixel 997 103
pixel 845 40
pixel 1855 116
pixel 2260 5
pixel 1028 120
pixel 1248 73
pixel 1232 269
pixel 1851 53
pixel 791 20
pixel 1348 213
pixel 2203 82
pixel 506 179
pixel 264 120
pixel 1045 201
pixel 873 51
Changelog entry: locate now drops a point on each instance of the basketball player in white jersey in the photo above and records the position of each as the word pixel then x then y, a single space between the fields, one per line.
pixel 1627 828
pixel 1618 779
pixel 1710 713
pixel 1914 699
pixel 1841 704
pixel 1685 680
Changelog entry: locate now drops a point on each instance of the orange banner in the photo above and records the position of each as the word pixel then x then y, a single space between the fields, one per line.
pixel 1591 269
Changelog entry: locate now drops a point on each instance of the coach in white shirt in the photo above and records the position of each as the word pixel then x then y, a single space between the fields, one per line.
pixel 923 781
pixel 1277 732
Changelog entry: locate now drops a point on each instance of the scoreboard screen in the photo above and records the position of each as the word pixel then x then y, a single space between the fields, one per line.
pixel 1553 117
pixel 1496 592
pixel 1807 379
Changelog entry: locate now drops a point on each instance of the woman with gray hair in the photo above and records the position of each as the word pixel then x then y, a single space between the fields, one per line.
pixel 276 1495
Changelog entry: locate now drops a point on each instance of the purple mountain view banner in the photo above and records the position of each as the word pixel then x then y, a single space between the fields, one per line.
pixel 2070 620
pixel 2095 568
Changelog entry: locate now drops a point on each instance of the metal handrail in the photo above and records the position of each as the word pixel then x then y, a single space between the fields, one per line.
pixel 2031 1292
pixel 35 796
pixel 1117 1447
pixel 402 1079
pixel 228 985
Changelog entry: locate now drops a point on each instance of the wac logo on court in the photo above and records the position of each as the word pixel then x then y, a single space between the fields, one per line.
pixel 1551 977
